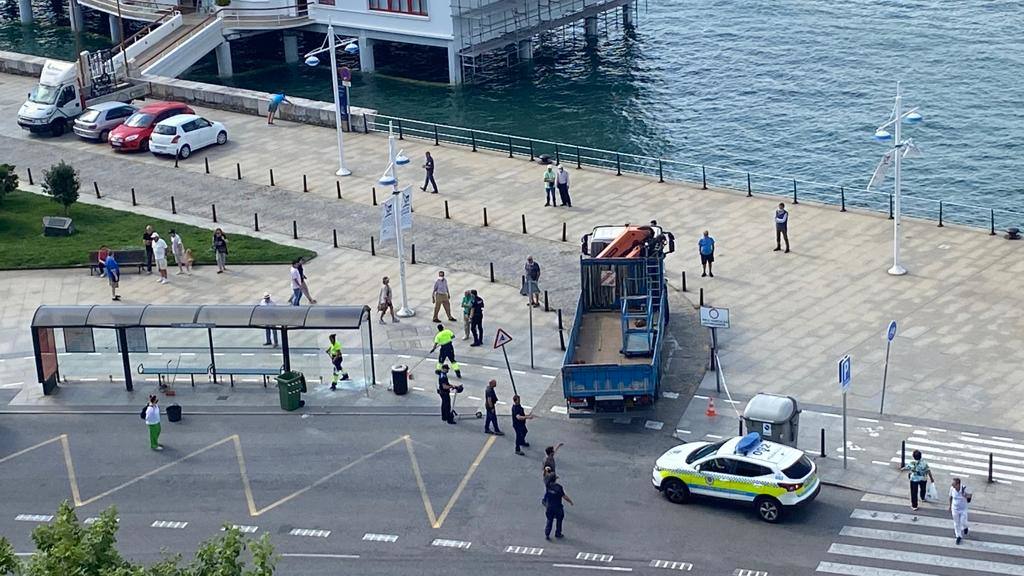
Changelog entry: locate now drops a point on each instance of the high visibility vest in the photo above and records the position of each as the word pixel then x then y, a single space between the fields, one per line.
pixel 334 349
pixel 444 337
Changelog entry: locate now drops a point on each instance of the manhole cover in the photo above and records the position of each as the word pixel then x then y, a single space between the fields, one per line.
pixel 222 397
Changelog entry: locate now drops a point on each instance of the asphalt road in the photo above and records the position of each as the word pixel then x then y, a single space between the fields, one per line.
pixel 354 475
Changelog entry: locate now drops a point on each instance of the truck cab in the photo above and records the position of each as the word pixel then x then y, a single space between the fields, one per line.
pixel 55 102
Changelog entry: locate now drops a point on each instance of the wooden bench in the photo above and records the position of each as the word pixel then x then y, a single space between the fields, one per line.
pixel 125 258
pixel 266 373
pixel 162 373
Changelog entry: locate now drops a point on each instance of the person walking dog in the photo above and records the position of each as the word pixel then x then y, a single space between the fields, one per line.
pixel 151 414
pixel 781 227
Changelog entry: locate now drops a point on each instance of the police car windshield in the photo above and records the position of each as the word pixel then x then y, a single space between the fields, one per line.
pixel 704 451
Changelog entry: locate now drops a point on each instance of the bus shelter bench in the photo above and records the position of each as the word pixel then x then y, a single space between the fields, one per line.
pixel 266 373
pixel 125 258
pixel 163 372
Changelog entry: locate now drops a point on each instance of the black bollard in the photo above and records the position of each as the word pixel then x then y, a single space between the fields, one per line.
pixel 940 214
pixel 305 185
pixel 30 176
pixel 373 251
pixel 238 170
pixel 546 309
pixel 435 135
pixel 795 201
pixel 903 454
pixel 492 272
pixel 661 173
pixel 472 138
pixel 823 455
pixel 256 221
pixel 174 210
pixel 373 191
pixel 618 165
pixel 485 216
pixel 563 231
pixel 97 188
pixel 337 186
pixel 509 146
pixel 206 161
pixel 134 203
pixel 413 252
pixel 447 216
pixel 992 221
pixel 176 160
pixel 335 237
pixel 295 230
pixel 213 208
pixel 750 191
pixel 532 156
pixel 704 177
pixel 561 331
pixel 684 280
pixel 842 199
pixel 701 296
pixel 524 223
pixel 272 177
pixel 990 479
pixel 890 207
pixel 579 162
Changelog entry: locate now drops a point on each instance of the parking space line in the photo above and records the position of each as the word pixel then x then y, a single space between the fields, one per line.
pixel 34 517
pixel 671 565
pixel 371 537
pixel 331 556
pixel 592 567
pixel 593 557
pixel 168 524
pixel 244 528
pixel 529 551
pixel 460 544
pixel 310 532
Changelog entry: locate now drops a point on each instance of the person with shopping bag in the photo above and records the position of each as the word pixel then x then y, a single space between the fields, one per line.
pixel 919 475
pixel 959 498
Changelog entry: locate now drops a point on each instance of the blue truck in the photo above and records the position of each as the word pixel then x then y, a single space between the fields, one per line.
pixel 613 360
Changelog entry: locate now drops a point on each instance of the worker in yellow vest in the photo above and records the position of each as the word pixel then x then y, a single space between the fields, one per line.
pixel 334 351
pixel 444 340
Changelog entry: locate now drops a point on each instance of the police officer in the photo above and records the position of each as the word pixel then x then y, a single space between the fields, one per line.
pixel 444 340
pixel 444 390
pixel 334 351
pixel 519 418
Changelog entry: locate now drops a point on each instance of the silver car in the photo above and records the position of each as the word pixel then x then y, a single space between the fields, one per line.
pixel 98 120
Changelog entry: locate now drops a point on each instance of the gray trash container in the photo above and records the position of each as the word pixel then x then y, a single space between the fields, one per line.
pixel 775 417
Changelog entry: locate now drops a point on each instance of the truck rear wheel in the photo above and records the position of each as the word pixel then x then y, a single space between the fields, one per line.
pixel 675 490
pixel 57 127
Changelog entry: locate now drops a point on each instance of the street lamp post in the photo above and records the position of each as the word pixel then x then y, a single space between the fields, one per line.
pixel 900 148
pixel 329 45
pixel 390 178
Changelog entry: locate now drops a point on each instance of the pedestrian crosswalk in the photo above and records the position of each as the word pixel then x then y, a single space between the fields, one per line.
pixel 888 539
pixel 968 454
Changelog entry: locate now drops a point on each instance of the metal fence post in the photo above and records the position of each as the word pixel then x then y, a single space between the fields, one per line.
pixel 366 127
pixel 704 177
pixel 436 142
pixel 472 138
pixel 579 163
pixel 842 199
pixel 661 173
pixel 940 214
pixel 532 157
pixel 750 191
pixel 795 201
pixel 558 158
pixel 509 146
pixel 401 136
pixel 992 222
pixel 618 165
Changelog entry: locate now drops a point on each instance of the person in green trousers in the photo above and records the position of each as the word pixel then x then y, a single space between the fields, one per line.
pixel 153 423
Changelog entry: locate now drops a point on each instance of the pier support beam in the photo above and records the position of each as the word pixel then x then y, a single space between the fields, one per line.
pixel 454 65
pixel 25 11
pixel 116 30
pixel 627 14
pixel 291 47
pixel 526 49
pixel 223 52
pixel 590 28
pixel 366 60
pixel 75 15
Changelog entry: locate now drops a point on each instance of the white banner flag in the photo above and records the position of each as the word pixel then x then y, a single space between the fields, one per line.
pixel 387 220
pixel 406 208
pixel 882 170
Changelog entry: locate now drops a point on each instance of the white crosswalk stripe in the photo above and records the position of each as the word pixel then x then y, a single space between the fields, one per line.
pixel 965 453
pixel 881 542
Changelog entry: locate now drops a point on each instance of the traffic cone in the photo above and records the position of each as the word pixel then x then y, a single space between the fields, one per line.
pixel 710 412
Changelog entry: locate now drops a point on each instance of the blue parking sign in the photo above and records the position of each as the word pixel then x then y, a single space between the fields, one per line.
pixel 844 373
pixel 892 331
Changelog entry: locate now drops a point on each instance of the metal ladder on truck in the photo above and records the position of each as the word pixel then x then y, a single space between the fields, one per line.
pixel 641 311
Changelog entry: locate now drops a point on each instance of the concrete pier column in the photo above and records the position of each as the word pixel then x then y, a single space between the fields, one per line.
pixel 366 59
pixel 454 65
pixel 223 52
pixel 590 27
pixel 627 14
pixel 291 47
pixel 25 11
pixel 116 31
pixel 75 15
pixel 526 49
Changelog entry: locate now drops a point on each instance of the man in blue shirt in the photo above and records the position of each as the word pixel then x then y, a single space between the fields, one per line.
pixel 275 102
pixel 706 246
pixel 113 272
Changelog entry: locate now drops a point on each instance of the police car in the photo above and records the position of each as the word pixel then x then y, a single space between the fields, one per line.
pixel 770 475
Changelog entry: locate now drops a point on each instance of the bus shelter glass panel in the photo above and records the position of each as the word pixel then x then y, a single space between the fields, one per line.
pixel 170 352
pixel 241 349
pixel 88 355
pixel 309 355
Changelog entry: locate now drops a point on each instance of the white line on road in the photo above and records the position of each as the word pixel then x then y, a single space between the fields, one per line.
pixel 474 398
pixel 981 450
pixel 902 425
pixel 653 424
pixel 404 356
pixel 168 524
pixel 187 354
pixel 156 353
pixel 929 540
pixel 749 572
pixel 548 376
pixel 371 537
pixel 331 556
pixel 670 565
pixel 681 431
pixel 961 469
pixel 932 522
pixel 922 559
pixel 699 397
pixel 524 550
pixel 593 557
pixel 308 354
pixel 519 372
pixel 932 450
pixel 451 543
pixel 28 357
pixel 937 429
pixel 854 570
pixel 886 464
pixel 418 389
pixel 559 409
pixel 1005 443
pixel 12 385
pixel 247 354
pixel 502 403
pixel 1003 438
pixel 244 528
pixel 971 434
pixel 88 379
pixel 310 532
pixel 670 396
pixel 34 517
pixel 872 420
pixel 489 368
pixel 589 567
pixel 715 436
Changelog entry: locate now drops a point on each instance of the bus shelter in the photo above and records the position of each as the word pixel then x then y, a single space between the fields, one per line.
pixel 202 328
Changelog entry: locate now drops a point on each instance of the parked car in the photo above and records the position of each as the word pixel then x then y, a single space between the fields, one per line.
pixel 135 133
pixel 99 119
pixel 181 135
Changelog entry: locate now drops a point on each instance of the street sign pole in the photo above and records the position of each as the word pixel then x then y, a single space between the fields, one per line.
pixel 501 338
pixel 509 367
pixel 845 375
pixel 844 430
pixel 530 306
pixel 890 334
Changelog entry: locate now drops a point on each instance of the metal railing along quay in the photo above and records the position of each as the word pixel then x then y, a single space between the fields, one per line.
pixel 706 176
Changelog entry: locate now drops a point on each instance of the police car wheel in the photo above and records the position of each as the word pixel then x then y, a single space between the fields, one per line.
pixel 769 509
pixel 675 490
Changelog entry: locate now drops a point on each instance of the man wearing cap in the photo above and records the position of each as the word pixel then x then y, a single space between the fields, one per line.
pixel 444 340
pixel 334 351
pixel 266 301
pixel 444 390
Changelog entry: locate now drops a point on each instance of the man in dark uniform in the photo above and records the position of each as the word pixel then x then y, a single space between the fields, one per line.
pixel 554 509
pixel 519 418
pixel 476 319
pixel 491 404
pixel 444 390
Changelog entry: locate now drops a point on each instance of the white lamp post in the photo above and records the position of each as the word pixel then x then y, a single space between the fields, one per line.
pixel 900 148
pixel 390 178
pixel 329 46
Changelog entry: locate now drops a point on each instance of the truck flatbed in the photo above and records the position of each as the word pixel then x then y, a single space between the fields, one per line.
pixel 599 340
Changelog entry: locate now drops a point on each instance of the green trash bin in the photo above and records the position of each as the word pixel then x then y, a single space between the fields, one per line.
pixel 290 386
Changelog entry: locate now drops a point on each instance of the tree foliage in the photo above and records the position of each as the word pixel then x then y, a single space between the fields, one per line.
pixel 65 547
pixel 61 182
pixel 8 181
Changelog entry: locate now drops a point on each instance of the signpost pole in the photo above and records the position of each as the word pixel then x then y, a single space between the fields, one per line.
pixel 501 338
pixel 890 334
pixel 845 375
pixel 509 367
pixel 530 306
pixel 714 348
pixel 845 446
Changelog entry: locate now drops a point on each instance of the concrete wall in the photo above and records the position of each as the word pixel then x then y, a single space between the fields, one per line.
pixel 21 64
pixel 251 102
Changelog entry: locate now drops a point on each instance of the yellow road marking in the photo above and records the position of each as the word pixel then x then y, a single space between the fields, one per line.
pixel 249 499
pixel 419 482
pixel 70 467
pixel 30 448
pixel 465 481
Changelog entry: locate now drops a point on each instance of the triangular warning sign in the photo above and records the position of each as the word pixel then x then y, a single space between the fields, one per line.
pixel 501 338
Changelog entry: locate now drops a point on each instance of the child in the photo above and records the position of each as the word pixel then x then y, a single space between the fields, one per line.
pixel 188 261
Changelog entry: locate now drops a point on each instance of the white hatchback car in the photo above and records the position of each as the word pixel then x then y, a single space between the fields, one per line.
pixel 185 133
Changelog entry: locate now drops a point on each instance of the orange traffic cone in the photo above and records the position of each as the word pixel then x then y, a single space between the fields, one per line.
pixel 710 412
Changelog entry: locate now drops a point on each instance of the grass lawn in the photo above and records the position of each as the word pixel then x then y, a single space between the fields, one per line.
pixel 22 244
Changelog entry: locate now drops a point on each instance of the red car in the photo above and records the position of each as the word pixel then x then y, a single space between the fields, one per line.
pixel 134 133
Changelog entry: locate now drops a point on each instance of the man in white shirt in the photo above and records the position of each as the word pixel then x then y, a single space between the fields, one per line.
pixel 152 417
pixel 266 301
pixel 160 253
pixel 959 498
pixel 562 179
pixel 296 284
pixel 178 249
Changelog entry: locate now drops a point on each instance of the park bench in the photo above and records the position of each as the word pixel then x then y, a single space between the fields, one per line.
pixel 125 258
pixel 266 373
pixel 163 372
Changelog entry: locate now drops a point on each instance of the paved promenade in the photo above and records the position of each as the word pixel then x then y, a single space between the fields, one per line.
pixel 961 320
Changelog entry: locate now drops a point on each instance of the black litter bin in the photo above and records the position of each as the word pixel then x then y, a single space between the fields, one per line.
pixel 400 379
pixel 174 413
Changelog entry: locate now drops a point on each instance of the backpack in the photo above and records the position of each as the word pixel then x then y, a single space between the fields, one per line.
pixel 143 413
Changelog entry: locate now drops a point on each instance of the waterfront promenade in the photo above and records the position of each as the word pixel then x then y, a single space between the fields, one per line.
pixel 793 315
